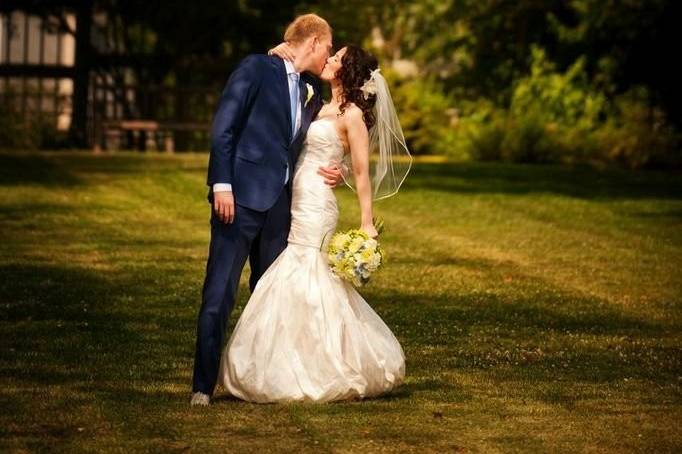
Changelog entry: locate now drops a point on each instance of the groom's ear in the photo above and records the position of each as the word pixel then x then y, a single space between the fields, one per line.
pixel 315 42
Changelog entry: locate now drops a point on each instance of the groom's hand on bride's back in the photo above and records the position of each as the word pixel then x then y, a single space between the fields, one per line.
pixel 223 204
pixel 333 175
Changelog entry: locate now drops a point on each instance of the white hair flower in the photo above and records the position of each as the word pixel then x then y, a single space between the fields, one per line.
pixel 369 87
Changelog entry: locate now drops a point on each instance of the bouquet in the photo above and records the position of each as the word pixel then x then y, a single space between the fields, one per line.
pixel 354 256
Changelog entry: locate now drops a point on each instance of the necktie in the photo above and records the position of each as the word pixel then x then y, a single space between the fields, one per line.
pixel 293 93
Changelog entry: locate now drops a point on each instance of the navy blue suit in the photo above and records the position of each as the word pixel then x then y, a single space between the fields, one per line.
pixel 251 144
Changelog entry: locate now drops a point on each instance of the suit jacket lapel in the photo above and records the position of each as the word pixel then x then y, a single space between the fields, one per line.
pixel 306 110
pixel 283 88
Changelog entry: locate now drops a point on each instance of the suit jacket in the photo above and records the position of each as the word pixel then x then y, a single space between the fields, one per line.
pixel 251 139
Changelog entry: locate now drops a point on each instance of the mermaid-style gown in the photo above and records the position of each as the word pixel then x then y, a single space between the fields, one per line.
pixel 305 334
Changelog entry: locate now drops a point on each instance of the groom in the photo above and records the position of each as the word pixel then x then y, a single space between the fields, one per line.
pixel 256 137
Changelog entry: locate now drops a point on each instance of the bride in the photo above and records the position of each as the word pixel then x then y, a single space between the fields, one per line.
pixel 305 334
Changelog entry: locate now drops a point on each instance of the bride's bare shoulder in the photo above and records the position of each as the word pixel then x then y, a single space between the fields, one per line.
pixel 353 114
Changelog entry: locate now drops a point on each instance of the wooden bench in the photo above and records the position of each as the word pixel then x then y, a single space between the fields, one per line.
pixel 148 130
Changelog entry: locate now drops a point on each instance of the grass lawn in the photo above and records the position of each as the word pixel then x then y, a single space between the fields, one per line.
pixel 539 308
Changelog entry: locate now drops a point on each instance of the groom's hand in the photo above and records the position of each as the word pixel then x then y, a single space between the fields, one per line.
pixel 332 174
pixel 223 204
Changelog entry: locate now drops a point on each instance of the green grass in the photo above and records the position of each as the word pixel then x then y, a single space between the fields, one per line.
pixel 539 308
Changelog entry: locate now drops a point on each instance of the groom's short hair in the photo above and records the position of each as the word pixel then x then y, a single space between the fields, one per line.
pixel 306 26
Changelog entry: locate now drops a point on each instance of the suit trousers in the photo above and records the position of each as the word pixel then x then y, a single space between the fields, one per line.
pixel 259 235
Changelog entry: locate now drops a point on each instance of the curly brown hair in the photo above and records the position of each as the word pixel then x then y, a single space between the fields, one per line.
pixel 356 66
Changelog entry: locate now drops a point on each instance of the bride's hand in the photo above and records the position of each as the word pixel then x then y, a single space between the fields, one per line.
pixel 284 51
pixel 370 230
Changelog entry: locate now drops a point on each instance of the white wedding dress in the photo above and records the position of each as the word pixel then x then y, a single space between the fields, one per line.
pixel 305 334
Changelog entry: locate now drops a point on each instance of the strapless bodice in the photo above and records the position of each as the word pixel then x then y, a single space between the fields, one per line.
pixel 322 143
pixel 314 210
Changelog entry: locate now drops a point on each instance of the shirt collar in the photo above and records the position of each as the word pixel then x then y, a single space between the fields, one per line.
pixel 290 68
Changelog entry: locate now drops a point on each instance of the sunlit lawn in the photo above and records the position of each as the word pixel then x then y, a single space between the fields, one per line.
pixel 539 308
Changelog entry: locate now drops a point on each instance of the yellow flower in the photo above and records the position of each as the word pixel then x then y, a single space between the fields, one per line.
pixel 355 245
pixel 338 241
pixel 367 255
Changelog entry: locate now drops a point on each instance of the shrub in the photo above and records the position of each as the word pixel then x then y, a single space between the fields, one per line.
pixel 426 116
pixel 33 131
pixel 560 117
pixel 637 134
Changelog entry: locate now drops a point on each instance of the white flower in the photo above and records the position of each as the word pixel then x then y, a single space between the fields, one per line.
pixel 310 94
pixel 370 86
pixel 355 245
pixel 374 262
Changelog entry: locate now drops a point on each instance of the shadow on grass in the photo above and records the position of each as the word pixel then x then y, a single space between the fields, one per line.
pixel 51 169
pixel 73 324
pixel 98 335
pixel 74 338
pixel 531 331
pixel 34 170
pixel 672 214
pixel 584 183
pixel 23 211
pixel 404 391
pixel 64 326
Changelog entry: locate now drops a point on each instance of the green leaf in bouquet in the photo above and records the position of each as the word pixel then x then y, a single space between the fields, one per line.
pixel 378 224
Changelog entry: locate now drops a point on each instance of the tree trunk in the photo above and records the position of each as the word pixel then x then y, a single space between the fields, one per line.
pixel 79 116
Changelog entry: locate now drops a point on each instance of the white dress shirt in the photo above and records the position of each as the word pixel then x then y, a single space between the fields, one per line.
pixel 220 187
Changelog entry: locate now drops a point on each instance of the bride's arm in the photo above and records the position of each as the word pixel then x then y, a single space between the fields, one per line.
pixel 284 51
pixel 358 140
